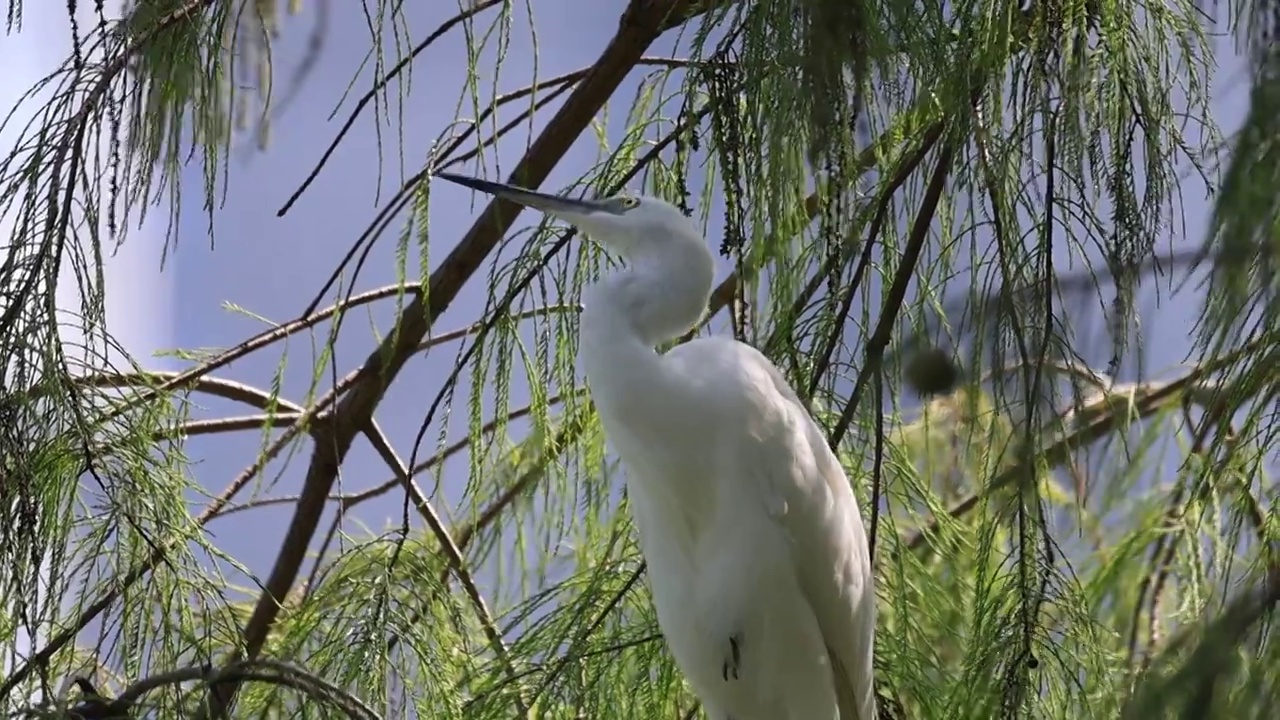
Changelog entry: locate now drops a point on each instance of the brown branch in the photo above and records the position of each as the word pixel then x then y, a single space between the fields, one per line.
pixel 249 395
pixel 228 425
pixel 475 328
pixel 1214 412
pixel 266 671
pixel 1157 593
pixel 641 24
pixel 1208 661
pixel 879 340
pixel 349 500
pixel 217 387
pixel 1161 558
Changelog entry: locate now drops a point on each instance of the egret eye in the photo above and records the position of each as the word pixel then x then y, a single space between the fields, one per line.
pixel 627 203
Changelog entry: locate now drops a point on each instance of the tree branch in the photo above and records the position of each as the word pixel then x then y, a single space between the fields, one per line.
pixel 640 27
pixel 1089 424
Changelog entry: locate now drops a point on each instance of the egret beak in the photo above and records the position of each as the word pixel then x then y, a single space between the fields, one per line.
pixel 568 209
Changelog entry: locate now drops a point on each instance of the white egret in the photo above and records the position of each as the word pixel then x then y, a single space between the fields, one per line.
pixel 757 555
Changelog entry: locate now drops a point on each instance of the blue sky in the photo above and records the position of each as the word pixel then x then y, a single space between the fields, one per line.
pixel 272 266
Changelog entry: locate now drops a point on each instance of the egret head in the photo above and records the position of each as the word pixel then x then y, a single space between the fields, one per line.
pixel 630 225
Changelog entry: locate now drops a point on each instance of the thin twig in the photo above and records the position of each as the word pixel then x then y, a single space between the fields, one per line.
pixel 558 85
pixel 378 86
pixel 880 339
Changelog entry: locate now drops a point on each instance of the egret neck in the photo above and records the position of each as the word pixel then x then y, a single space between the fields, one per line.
pixel 661 296
pixel 637 394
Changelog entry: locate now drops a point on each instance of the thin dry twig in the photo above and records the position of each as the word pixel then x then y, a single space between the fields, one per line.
pixel 219 426
pixel 378 87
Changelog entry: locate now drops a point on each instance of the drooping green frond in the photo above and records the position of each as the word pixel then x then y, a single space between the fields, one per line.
pixel 1243 243
pixel 1053 537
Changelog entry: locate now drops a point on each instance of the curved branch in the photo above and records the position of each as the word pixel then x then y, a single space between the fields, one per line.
pixel 217 387
pixel 266 671
pixel 197 378
pixel 267 337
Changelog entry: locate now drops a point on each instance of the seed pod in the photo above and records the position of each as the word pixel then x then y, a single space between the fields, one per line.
pixel 931 371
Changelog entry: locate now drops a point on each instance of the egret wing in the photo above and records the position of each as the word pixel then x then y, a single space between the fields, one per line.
pixel 821 517
pixel 782 458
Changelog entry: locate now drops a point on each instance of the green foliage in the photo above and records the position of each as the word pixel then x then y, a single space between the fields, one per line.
pixel 1036 556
